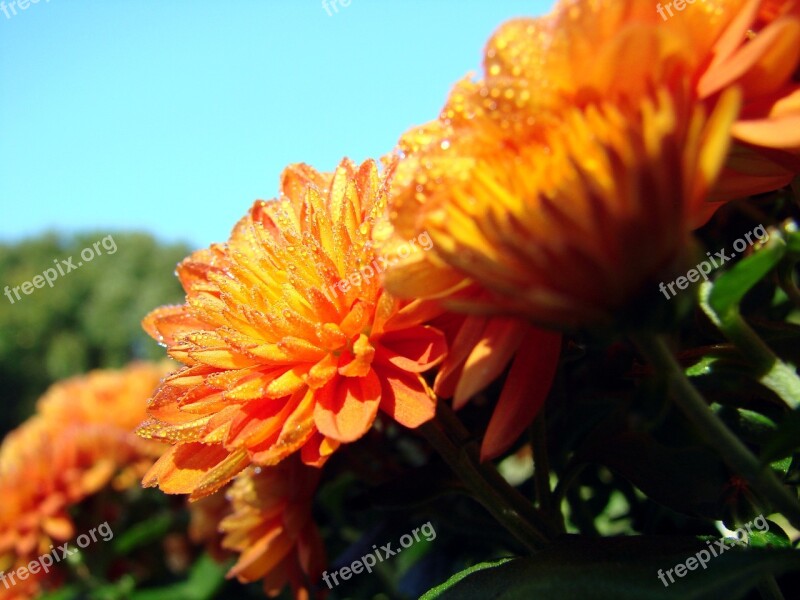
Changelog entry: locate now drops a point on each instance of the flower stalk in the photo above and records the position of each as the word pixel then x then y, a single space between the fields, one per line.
pixel 735 454
pixel 451 440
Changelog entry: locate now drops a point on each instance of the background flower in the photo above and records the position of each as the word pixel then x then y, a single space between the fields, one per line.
pixel 81 441
pixel 272 529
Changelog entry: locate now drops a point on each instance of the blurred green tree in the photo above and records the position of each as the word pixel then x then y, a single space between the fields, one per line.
pixel 89 318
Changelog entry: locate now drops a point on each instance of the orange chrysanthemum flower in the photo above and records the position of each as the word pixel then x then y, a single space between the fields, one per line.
pixel 81 440
pixel 272 529
pixel 291 344
pixel 561 186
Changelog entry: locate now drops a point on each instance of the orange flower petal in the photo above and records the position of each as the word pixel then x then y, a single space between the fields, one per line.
pixel 414 349
pixel 487 360
pixel 346 407
pixel 182 469
pixel 526 388
pixel 406 397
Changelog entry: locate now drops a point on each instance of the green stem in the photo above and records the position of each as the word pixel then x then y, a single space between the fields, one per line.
pixel 568 477
pixel 786 281
pixel 769 590
pixel 449 438
pixel 777 375
pixel 735 454
pixel 541 472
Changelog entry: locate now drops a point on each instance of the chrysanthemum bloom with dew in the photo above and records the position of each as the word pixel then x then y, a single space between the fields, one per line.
pixel 272 530
pixel 560 187
pixel 80 441
pixel 571 175
pixel 289 344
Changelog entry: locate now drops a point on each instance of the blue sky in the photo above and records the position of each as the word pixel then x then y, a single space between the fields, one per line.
pixel 172 117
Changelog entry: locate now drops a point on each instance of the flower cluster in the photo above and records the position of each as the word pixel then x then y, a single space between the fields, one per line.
pixel 557 189
pixel 80 441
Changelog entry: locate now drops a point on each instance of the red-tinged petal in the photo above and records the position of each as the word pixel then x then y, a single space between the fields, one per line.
pixel 468 335
pixel 347 406
pixel 359 363
pixel 762 66
pixel 311 551
pixel 181 468
pixel 415 349
pixel 317 450
pixel 406 397
pixel 416 311
pixel 490 357
pixel 258 420
pixel 526 388
pixel 262 556
pixel 735 32
pixel 215 479
pixel 781 132
pixel 274 581
pixel 168 324
pixel 385 309
pixel 167 395
pixel 747 173
pixel 297 428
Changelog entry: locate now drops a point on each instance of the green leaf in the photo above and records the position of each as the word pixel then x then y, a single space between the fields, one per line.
pixel 773 537
pixel 782 465
pixel 620 568
pixel 730 287
pixel 205 580
pixel 442 588
pixel 143 533
pixel 784 442
pixel 720 301
pixel 688 480
pixel 702 367
pixel 65 593
pixel 749 425
pixel 119 590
